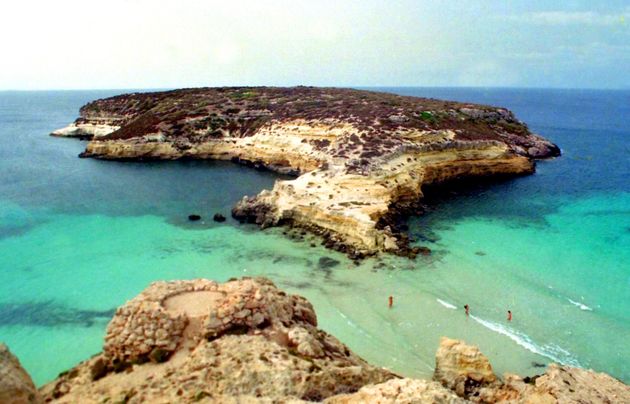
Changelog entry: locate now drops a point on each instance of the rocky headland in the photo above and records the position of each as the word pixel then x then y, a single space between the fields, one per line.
pixel 248 341
pixel 361 158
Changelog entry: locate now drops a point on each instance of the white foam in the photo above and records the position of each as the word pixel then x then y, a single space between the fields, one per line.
pixel 353 324
pixel 552 351
pixel 446 304
pixel 580 305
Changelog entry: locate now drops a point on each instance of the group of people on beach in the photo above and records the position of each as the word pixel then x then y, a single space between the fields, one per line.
pixel 466 308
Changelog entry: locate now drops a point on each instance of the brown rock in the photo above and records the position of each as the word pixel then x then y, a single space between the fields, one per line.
pixel 274 351
pixel 462 368
pixel 400 391
pixel 16 386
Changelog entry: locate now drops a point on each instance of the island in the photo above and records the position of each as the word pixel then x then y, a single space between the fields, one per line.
pixel 360 158
pixel 247 341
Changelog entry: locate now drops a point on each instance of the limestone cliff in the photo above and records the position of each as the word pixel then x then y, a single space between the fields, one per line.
pixel 247 341
pixel 361 157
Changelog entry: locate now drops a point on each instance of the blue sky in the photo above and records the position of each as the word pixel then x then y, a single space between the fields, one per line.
pixel 70 44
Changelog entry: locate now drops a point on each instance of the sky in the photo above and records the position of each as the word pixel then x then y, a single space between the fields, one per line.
pixel 68 44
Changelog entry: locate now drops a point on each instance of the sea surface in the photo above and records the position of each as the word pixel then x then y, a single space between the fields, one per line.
pixel 79 237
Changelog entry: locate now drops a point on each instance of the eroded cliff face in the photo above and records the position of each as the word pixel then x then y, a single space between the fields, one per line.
pixel 247 341
pixel 361 157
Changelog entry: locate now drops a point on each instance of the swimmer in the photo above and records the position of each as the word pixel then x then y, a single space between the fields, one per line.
pixel 391 301
pixel 509 315
pixel 467 309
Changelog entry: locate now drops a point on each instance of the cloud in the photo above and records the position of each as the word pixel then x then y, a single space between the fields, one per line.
pixel 570 18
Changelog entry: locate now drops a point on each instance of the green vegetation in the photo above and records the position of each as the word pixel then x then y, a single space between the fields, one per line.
pixel 190 113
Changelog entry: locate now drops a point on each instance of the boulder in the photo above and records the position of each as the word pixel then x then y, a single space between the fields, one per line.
pixel 194 218
pixel 16 386
pixel 218 217
pixel 462 368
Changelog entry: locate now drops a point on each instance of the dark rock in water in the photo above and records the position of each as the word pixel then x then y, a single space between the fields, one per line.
pixel 218 218
pixel 538 365
pixel 194 218
pixel 480 253
pixel 327 263
pixel 424 250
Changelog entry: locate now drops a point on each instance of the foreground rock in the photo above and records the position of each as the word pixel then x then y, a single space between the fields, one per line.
pixel 247 341
pixel 399 391
pixel 16 386
pixel 185 341
pixel 464 369
pixel 362 157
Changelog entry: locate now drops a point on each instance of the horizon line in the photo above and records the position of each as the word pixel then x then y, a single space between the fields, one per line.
pixel 321 86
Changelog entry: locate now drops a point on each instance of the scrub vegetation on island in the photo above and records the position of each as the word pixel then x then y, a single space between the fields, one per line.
pixel 361 158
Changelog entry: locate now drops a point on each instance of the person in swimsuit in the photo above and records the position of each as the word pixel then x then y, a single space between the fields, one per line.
pixel 509 315
pixel 391 301
pixel 467 309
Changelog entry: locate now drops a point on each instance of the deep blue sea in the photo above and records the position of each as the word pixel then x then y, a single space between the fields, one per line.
pixel 78 237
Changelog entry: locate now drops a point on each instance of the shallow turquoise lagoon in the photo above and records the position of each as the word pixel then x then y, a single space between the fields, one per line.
pixel 80 237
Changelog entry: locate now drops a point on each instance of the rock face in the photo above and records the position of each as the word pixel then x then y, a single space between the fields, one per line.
pixel 462 367
pixel 362 157
pixel 399 391
pixel 16 386
pixel 184 341
pixel 465 370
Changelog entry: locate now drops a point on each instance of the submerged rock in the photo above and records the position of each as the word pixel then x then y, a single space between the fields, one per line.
pixel 194 218
pixel 218 217
pixel 16 386
pixel 327 263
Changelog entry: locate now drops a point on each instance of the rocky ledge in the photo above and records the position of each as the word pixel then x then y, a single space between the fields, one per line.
pixel 247 341
pixel 361 158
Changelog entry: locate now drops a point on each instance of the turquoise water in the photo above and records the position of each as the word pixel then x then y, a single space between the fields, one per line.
pixel 79 237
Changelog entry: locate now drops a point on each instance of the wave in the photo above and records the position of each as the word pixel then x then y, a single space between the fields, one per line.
pixel 550 351
pixel 446 304
pixel 353 324
pixel 580 305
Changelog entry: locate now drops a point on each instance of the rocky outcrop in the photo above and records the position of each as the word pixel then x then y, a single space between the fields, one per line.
pixel 399 391
pixel 465 370
pixel 462 368
pixel 184 341
pixel 362 158
pixel 247 341
pixel 88 130
pixel 16 386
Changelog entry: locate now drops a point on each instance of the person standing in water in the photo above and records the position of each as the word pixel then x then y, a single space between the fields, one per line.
pixel 391 301
pixel 467 309
pixel 509 315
